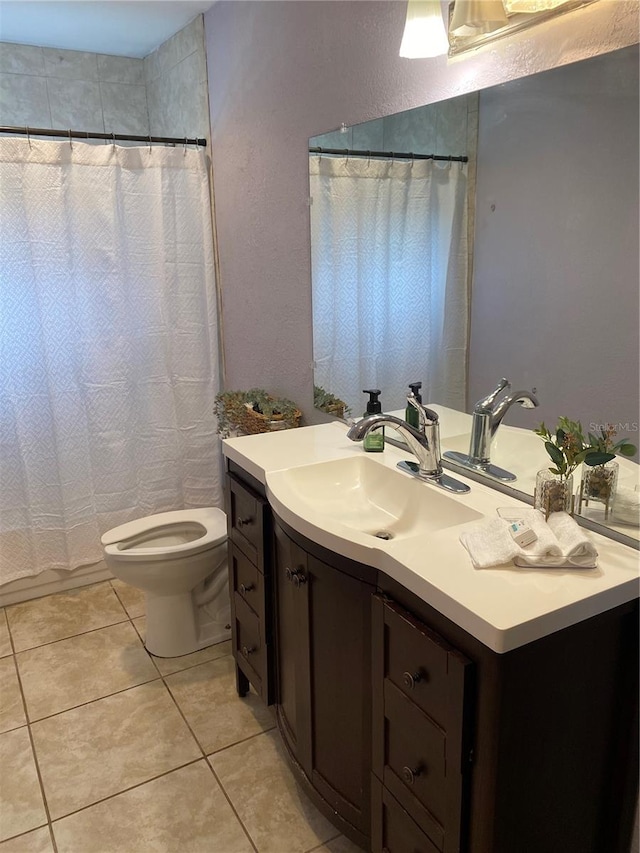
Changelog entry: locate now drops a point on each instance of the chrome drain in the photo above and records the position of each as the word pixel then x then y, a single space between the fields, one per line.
pixel 383 534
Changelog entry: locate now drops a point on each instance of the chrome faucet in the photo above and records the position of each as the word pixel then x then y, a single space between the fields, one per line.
pixel 487 417
pixel 423 442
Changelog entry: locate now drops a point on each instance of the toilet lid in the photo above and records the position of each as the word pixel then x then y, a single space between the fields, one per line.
pixel 212 519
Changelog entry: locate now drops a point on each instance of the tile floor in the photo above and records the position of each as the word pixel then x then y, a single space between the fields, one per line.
pixel 107 749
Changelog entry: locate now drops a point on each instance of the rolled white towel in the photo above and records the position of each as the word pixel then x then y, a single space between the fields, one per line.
pixel 574 540
pixel 491 544
pixel 626 505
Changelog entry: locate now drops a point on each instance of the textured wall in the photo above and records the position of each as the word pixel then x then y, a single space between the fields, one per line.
pixel 280 72
pixel 46 87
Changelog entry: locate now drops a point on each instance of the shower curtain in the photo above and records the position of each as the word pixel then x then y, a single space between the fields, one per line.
pixel 108 345
pixel 390 278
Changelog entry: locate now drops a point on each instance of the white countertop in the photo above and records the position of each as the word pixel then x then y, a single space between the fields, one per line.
pixel 504 607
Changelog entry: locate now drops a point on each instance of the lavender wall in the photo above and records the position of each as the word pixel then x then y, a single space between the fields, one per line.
pixel 280 72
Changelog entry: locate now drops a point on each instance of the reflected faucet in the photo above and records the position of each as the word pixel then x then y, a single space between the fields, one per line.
pixel 423 442
pixel 487 417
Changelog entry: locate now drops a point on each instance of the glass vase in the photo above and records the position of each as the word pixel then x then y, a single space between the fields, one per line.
pixel 553 494
pixel 598 484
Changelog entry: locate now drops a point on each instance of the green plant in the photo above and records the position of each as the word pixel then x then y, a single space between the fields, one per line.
pixel 605 448
pixel 233 410
pixel 327 402
pixel 566 447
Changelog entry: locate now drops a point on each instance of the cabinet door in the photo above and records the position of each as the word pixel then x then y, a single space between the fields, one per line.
pixel 337 618
pixel 291 633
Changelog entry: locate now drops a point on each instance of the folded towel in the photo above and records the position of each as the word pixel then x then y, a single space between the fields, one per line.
pixel 561 543
pixel 626 505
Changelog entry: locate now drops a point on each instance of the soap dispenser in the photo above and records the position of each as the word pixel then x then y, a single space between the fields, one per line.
pixel 374 440
pixel 410 413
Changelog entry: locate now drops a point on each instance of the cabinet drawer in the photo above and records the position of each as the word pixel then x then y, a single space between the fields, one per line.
pixel 416 661
pixel 393 831
pixel 249 648
pixel 414 762
pixel 246 520
pixel 247 581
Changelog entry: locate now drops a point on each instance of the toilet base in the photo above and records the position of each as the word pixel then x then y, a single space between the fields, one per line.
pixel 176 627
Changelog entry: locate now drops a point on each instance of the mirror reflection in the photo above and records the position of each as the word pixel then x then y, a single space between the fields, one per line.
pixel 520 262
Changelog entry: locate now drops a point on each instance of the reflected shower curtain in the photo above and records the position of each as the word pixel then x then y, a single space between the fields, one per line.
pixel 390 279
pixel 108 345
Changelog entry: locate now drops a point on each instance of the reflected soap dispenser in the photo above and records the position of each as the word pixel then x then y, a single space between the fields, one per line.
pixel 410 413
pixel 374 440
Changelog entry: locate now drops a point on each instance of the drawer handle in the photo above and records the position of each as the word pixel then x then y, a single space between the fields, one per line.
pixel 245 589
pixel 243 522
pixel 246 651
pixel 410 680
pixel 409 775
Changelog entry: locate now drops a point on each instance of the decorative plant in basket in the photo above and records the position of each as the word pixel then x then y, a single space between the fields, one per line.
pixel 329 403
pixel 567 450
pixel 600 477
pixel 254 411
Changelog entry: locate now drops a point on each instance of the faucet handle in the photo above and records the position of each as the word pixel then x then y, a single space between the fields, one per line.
pixel 425 416
pixel 487 403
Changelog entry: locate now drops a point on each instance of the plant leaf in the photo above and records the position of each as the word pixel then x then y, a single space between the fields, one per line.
pixel 555 453
pixel 593 458
pixel 627 450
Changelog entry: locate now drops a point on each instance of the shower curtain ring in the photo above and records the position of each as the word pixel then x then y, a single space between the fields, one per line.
pixel 28 136
pixel 185 146
pixel 70 142
pixel 346 154
pixel 368 159
pixel 149 143
pixel 113 139
pixel 413 159
pixel 320 151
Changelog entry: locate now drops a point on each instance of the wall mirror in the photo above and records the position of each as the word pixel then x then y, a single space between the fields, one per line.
pixel 513 252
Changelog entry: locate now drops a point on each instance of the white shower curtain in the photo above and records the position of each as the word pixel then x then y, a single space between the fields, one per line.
pixel 108 345
pixel 390 278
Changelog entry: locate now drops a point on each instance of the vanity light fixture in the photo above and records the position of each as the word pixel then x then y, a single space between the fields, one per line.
pixel 424 31
pixel 475 17
pixel 472 23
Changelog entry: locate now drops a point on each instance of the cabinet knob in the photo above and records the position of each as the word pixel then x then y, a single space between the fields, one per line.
pixel 409 775
pixel 242 522
pixel 248 650
pixel 245 589
pixel 288 573
pixel 411 679
pixel 298 578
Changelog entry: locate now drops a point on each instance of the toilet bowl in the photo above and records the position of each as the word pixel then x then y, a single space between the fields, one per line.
pixel 179 559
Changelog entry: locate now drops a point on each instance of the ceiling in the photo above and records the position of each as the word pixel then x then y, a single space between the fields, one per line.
pixel 121 27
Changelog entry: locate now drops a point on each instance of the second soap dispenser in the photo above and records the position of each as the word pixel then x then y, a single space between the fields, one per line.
pixel 410 413
pixel 374 440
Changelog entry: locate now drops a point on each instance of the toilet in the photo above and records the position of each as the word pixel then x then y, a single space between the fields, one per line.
pixel 179 559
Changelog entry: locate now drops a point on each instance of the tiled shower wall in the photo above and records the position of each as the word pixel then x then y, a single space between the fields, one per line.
pixel 164 94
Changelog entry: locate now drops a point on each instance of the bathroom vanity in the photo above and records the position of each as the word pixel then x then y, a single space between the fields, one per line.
pixel 425 705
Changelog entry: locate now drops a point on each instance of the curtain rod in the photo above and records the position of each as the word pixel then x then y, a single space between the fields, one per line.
pixel 112 137
pixel 390 155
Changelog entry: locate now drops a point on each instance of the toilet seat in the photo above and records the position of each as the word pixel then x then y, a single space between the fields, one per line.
pixel 133 540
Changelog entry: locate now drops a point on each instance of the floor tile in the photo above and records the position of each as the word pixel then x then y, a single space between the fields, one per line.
pixel 338 845
pixel 102 748
pixel 38 841
pixel 11 707
pixel 69 673
pixel 168 665
pixel 275 812
pixel 21 805
pixel 131 598
pixel 5 642
pixel 43 620
pixel 183 811
pixel 206 695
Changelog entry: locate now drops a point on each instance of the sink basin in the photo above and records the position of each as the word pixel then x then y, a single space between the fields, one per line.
pixel 369 497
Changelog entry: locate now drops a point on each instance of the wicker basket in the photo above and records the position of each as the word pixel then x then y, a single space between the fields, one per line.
pixel 245 420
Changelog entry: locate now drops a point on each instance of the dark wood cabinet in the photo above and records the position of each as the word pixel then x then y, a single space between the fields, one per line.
pixel 422 732
pixel 409 733
pixel 323 618
pixel 250 583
